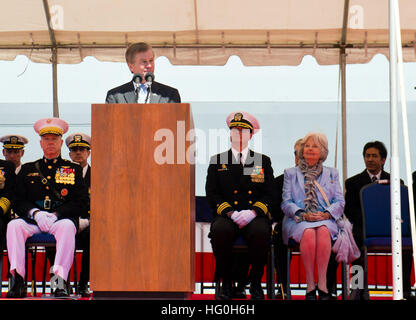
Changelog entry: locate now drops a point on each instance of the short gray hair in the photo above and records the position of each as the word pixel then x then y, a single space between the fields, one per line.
pixel 318 138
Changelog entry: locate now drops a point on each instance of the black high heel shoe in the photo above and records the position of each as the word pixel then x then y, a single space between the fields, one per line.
pixel 323 295
pixel 311 295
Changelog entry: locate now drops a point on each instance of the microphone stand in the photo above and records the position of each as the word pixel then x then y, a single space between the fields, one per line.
pixel 149 88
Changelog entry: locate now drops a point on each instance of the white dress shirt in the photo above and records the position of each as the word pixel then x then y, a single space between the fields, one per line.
pixel 142 92
pixel 243 154
pixel 378 175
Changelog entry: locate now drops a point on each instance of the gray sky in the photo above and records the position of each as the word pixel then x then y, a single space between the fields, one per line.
pixel 288 101
pixel 90 80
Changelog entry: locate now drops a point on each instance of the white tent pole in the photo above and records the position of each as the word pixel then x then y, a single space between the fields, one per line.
pixel 343 62
pixel 344 115
pixel 395 168
pixel 405 129
pixel 54 61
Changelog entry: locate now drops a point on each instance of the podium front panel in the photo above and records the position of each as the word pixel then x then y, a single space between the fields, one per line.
pixel 142 202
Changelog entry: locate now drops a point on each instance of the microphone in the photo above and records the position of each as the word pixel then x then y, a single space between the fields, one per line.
pixel 137 78
pixel 149 77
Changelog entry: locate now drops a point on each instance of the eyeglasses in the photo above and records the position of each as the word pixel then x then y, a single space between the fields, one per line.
pixel 75 149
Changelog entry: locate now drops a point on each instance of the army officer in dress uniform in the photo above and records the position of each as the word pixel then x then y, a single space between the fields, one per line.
pixel 50 196
pixel 13 149
pixel 239 187
pixel 79 145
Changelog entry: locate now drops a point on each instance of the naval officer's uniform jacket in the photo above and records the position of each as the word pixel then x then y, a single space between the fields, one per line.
pixel 7 196
pixel 53 185
pixel 7 186
pixel 231 186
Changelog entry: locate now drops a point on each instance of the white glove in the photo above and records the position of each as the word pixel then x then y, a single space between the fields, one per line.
pixel 43 220
pixel 245 218
pixel 235 215
pixel 83 223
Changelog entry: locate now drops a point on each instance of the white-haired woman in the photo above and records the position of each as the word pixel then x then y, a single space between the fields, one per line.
pixel 312 202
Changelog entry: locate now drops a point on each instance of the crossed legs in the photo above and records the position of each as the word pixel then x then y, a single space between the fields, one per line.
pixel 315 248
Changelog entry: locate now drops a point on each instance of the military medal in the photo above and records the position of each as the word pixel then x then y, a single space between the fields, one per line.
pixel 65 175
pixel 257 175
pixel 64 192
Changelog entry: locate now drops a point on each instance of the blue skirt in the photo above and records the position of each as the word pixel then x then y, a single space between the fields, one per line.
pixel 294 230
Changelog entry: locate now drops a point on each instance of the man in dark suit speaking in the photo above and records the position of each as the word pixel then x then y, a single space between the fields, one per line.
pixel 140 59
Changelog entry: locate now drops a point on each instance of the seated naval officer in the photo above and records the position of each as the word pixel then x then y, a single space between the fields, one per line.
pixel 79 145
pixel 50 196
pixel 13 149
pixel 7 195
pixel 239 188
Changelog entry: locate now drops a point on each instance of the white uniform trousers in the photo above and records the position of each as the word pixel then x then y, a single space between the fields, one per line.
pixel 64 232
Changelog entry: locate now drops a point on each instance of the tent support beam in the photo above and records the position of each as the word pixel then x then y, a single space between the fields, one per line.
pixel 54 59
pixel 206 46
pixel 343 63
pixel 343 67
pixel 396 233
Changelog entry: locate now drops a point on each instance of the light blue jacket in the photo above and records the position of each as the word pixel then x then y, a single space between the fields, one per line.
pixel 294 195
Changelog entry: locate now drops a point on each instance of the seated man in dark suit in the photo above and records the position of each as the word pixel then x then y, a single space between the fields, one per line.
pixel 141 61
pixel 375 155
pixel 239 188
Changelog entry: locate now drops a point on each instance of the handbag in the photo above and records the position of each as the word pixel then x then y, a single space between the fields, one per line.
pixel 344 246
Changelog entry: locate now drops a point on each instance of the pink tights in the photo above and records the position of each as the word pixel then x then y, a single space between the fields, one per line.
pixel 315 246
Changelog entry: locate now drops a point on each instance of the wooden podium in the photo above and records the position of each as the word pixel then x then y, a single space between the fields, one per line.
pixel 142 201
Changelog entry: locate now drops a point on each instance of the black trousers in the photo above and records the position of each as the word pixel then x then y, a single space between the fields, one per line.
pixel 83 242
pixel 3 228
pixel 280 255
pixel 223 234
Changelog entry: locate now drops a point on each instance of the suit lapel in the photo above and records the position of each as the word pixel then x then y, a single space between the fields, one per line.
pixel 384 175
pixel 236 169
pixel 130 95
pixel 365 178
pixel 154 96
pixel 251 161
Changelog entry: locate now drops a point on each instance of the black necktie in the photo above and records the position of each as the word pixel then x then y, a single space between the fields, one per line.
pixel 374 179
pixel 240 155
